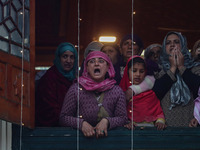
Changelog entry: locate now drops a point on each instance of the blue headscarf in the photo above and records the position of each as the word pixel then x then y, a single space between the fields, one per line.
pixel 63 47
pixel 179 92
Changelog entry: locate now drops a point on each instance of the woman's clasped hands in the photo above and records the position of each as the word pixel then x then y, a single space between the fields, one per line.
pixel 176 60
pixel 99 131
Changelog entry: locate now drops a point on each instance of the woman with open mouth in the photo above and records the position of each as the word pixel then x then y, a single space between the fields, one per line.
pixel 99 103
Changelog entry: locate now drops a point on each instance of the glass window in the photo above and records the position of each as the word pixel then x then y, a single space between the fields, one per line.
pixel 16 37
pixel 1 17
pixel 3 1
pixel 27 3
pixel 17 51
pixel 10 25
pixel 13 14
pixel 26 54
pixel 6 11
pixel 27 29
pixel 17 4
pixel 4 46
pixel 3 32
pixel 20 20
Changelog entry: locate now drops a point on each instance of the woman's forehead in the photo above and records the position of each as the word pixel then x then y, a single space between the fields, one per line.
pixel 96 58
pixel 173 35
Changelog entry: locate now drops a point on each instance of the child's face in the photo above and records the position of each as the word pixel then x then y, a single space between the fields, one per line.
pixel 137 73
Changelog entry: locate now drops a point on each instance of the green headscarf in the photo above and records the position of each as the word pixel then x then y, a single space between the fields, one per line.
pixel 63 47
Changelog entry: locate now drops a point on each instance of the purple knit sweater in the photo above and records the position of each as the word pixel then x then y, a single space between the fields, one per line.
pixel 114 103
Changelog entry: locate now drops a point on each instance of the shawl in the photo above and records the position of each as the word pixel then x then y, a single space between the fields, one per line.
pixel 197 107
pixel 63 47
pixel 146 107
pixel 179 92
pixel 88 83
pixel 50 94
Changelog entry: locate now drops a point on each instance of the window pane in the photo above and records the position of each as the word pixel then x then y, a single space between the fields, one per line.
pixel 1 12
pixel 16 50
pixel 27 29
pixel 16 37
pixel 14 15
pixel 20 20
pixel 17 4
pixel 4 1
pixel 4 46
pixel 9 24
pixel 27 3
pixel 26 55
pixel 3 32
pixel 6 11
pixel 13 9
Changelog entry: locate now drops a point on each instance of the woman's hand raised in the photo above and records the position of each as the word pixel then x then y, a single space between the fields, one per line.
pixel 180 59
pixel 173 63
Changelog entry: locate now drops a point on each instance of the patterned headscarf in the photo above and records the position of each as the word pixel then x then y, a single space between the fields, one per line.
pixel 179 92
pixel 88 83
pixel 63 47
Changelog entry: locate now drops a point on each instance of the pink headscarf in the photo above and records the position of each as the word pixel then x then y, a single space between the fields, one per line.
pixel 88 83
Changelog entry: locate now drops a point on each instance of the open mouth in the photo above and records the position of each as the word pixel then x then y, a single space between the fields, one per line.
pixel 97 71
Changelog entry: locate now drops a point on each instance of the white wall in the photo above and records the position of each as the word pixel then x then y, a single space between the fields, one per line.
pixel 5 135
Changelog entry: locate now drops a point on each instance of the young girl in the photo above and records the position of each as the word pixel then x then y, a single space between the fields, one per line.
pixel 146 106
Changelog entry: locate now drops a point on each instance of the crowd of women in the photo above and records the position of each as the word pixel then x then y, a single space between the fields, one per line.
pixel 117 87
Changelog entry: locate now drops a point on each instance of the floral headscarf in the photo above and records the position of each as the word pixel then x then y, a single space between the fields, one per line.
pixel 63 47
pixel 179 92
pixel 88 83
